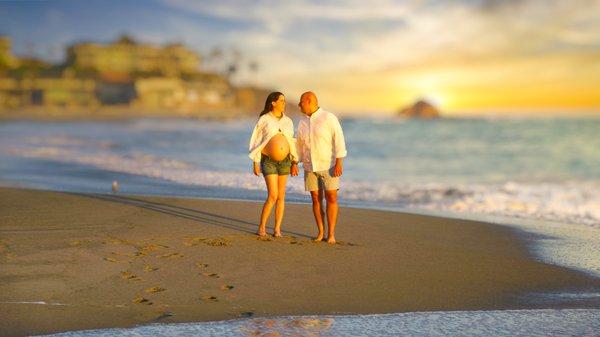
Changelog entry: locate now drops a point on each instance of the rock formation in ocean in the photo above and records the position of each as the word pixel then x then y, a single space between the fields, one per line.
pixel 421 109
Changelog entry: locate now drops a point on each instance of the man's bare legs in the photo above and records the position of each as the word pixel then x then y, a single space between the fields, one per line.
pixel 318 211
pixel 273 190
pixel 332 213
pixel 280 204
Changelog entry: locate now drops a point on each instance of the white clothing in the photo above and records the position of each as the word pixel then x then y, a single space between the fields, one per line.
pixel 320 140
pixel 268 126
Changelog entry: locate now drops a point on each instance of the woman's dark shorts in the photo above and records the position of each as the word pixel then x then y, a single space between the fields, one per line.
pixel 269 166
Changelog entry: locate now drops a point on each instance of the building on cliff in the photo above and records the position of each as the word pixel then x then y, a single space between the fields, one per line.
pixel 123 73
pixel 127 56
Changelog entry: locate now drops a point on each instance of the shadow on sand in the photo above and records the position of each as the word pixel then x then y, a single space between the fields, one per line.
pixel 186 213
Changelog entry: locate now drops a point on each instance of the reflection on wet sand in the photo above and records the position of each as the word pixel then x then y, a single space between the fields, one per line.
pixel 300 326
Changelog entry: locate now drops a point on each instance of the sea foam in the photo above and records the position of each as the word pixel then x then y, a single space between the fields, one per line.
pixel 568 322
pixel 568 202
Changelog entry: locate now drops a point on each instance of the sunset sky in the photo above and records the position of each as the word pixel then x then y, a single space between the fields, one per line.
pixel 468 57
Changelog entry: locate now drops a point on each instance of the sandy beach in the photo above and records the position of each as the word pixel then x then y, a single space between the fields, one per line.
pixel 84 261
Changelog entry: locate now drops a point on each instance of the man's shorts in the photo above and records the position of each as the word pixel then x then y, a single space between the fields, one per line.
pixel 321 179
pixel 269 166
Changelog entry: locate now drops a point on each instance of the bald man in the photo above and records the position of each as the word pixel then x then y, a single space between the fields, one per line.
pixel 321 149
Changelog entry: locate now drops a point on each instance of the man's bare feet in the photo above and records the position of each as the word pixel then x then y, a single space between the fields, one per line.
pixel 277 234
pixel 331 240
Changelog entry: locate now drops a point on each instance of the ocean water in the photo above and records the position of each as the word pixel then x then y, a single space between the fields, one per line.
pixel 513 323
pixel 537 175
pixel 546 169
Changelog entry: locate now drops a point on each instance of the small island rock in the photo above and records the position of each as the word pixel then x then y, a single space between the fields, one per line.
pixel 421 109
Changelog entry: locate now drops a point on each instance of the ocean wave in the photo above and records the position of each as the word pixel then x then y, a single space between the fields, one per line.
pixel 540 322
pixel 142 164
pixel 191 124
pixel 65 140
pixel 567 202
pixel 571 201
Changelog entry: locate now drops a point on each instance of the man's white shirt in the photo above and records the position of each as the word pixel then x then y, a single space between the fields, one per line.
pixel 320 140
pixel 268 126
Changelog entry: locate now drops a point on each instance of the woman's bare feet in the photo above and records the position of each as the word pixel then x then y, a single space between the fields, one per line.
pixel 262 231
pixel 277 234
pixel 319 238
pixel 331 240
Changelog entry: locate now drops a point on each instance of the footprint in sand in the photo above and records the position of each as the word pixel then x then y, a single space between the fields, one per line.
pixel 209 242
pixel 117 241
pixel 129 276
pixel 213 275
pixel 164 315
pixel 226 287
pixel 194 241
pixel 5 251
pixel 264 238
pixel 217 242
pixel 150 268
pixel 82 242
pixel 146 249
pixel 141 300
pixel 171 255
pixel 201 265
pixel 154 290
pixel 110 259
pixel 209 298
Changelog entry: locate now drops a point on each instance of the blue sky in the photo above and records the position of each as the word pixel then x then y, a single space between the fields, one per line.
pixel 352 49
pixel 53 24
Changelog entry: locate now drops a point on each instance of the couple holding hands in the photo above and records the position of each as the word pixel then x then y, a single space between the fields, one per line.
pixel 320 147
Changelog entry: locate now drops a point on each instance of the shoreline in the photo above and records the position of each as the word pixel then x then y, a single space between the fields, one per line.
pixel 114 114
pixel 547 322
pixel 573 234
pixel 494 219
pixel 124 113
pixel 119 114
pixel 97 254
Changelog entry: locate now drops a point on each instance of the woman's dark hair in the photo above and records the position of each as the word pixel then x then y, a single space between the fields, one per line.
pixel 273 97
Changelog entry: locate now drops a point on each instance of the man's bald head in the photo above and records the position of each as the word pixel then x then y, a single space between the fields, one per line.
pixel 308 103
pixel 309 95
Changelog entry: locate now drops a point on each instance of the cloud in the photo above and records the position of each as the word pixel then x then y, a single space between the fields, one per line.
pixel 351 47
pixel 338 35
pixel 295 10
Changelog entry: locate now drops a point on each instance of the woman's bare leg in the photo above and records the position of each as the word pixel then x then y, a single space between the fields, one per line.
pixel 271 181
pixel 280 204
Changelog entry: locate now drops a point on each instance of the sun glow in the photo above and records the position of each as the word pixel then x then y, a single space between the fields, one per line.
pixel 435 99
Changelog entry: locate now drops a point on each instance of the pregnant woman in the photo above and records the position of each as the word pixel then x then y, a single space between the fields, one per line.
pixel 273 156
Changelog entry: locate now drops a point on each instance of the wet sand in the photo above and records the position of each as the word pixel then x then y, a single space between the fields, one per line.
pixel 76 261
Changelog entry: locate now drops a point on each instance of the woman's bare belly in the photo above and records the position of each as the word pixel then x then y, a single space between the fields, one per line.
pixel 277 148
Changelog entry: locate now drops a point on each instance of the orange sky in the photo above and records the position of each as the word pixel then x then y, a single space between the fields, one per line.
pixel 546 84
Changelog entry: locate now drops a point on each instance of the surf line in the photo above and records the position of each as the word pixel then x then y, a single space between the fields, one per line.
pixel 35 302
pixel 57 303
